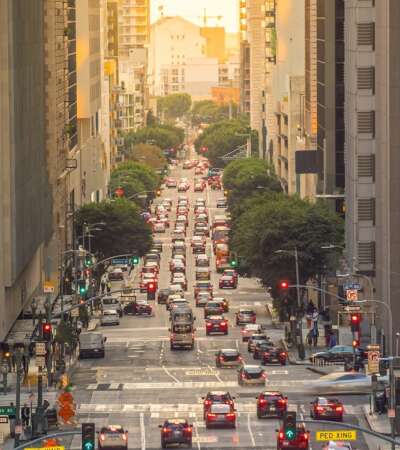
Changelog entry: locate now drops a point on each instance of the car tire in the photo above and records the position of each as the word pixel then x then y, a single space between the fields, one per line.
pixel 163 444
pixel 226 333
pixel 190 444
pixel 259 416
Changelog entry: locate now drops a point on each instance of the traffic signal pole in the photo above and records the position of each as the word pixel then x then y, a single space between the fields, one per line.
pixel 300 320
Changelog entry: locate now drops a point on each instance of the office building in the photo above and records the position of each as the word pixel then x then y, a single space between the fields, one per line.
pixel 133 26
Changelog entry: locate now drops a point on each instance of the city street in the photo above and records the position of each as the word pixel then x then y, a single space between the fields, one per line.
pixel 141 381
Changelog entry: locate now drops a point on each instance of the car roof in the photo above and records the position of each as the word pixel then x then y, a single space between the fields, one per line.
pixel 252 367
pixel 229 350
pixel 273 393
pixel 218 393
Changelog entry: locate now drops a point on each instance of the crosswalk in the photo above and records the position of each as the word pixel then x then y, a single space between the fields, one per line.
pixel 190 409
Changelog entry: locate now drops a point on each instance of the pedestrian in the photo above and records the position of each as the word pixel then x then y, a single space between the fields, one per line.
pixel 315 336
pixel 332 339
pixel 309 338
pixel 13 361
pixel 108 287
pixel 103 286
pixel 25 415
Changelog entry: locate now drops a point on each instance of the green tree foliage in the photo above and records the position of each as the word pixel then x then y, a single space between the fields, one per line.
pixel 208 111
pixel 222 138
pixel 246 177
pixel 274 221
pixel 151 155
pixel 124 230
pixel 174 105
pixel 151 119
pixel 134 177
pixel 162 136
pixel 65 333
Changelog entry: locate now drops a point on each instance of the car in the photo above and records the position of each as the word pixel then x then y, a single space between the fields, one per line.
pixel 158 245
pixel 227 281
pixel 216 324
pixel 199 249
pixel 343 383
pixel 261 347
pixel 178 268
pixel 256 337
pixel 245 316
pixel 176 431
pixel 116 274
pixel 231 273
pixel 220 415
pixel 337 445
pixel 326 409
pixel 274 355
pixel 162 296
pixel 187 165
pixel 203 286
pixel 301 442
pixel 179 278
pixel 151 269
pixel 111 303
pixel 271 404
pixel 219 397
pixel 201 230
pixel 171 183
pixel 202 260
pixel 251 374
pixel 228 357
pixel 197 240
pixel 199 187
pixel 139 307
pixel 221 203
pixel 171 298
pixel 222 263
pixel 109 317
pixel 183 187
pixel 338 353
pixel 112 436
pixel 224 301
pixel 177 303
pixel 145 281
pixel 213 308
pixel 152 257
pixel 178 235
pixel 248 330
pixel 202 273
pixel 202 298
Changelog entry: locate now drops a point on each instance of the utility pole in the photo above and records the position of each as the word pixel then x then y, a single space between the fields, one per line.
pixel 40 369
pixel 18 352
pixel 300 319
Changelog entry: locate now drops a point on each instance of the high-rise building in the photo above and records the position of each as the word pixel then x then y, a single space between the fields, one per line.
pixel 244 49
pixel 25 191
pixel 133 25
pixel 330 98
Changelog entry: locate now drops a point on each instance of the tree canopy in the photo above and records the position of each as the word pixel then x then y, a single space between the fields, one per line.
pixel 150 155
pixel 124 231
pixel 163 136
pixel 208 111
pixel 174 105
pixel 224 137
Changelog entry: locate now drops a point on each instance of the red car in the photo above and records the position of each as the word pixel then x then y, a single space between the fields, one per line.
pixel 301 442
pixel 271 404
pixel 213 397
pixel 216 324
pixel 221 415
pixel 227 282
pixel 327 409
pixel 231 273
pixel 171 183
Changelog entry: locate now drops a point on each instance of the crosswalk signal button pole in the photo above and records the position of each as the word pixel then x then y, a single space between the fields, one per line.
pixel 289 425
pixel 88 436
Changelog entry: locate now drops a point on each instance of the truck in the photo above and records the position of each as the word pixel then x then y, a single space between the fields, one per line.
pixel 182 328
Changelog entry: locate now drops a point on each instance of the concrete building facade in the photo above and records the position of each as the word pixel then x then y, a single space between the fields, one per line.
pixel 133 25
pixel 25 191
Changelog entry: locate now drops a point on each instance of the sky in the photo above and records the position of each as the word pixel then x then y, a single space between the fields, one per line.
pixel 192 9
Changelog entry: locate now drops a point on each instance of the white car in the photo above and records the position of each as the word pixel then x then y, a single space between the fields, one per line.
pixel 110 317
pixel 250 329
pixel 337 445
pixel 159 227
pixel 342 383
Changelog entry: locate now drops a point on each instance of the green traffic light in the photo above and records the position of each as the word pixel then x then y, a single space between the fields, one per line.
pixel 290 434
pixel 135 260
pixel 88 445
pixel 233 263
pixel 88 261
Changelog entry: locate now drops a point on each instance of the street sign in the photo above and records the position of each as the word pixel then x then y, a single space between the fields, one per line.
pixel 373 362
pixel 48 287
pixel 40 348
pixel 40 361
pixel 351 295
pixel 75 312
pixel 336 435
pixel 352 308
pixel 8 411
pixel 58 447
pixel 116 261
pixel 391 413
pixel 356 286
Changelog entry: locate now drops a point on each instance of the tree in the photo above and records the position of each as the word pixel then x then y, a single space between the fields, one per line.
pixel 151 155
pixel 246 177
pixel 134 177
pixel 275 221
pixel 159 135
pixel 174 105
pixel 151 119
pixel 124 230
pixel 222 138
pixel 208 111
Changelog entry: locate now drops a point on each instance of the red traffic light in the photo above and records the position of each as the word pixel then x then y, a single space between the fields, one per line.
pixel 47 327
pixel 355 319
pixel 151 287
pixel 356 343
pixel 283 284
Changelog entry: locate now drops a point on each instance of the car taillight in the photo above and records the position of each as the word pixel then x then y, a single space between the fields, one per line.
pixel 266 354
pixel 264 375
pixel 221 358
pixel 281 435
pixel 211 415
pixel 165 430
pixel 188 429
pixel 304 436
pixel 102 437
pixel 223 324
pixel 283 354
pixel 173 336
pixel 207 402
pixel 319 408
pixel 209 324
pixel 339 408
pixel 282 401
pixel 244 376
pixel 262 401
pixel 231 416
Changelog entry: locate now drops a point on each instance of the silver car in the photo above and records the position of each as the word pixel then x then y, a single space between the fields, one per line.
pixel 109 317
pixel 343 383
pixel 113 437
pixel 251 374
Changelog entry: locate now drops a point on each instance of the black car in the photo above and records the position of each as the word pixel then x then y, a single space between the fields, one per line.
pixel 162 296
pixel 138 307
pixel 274 355
pixel 176 431
pixel 256 337
pixel 260 348
pixel 271 404
pixel 227 357
pixel 338 353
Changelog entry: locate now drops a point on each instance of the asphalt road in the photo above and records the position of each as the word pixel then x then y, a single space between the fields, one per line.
pixel 141 381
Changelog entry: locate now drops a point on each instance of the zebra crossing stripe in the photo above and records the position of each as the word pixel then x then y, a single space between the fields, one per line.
pixel 167 385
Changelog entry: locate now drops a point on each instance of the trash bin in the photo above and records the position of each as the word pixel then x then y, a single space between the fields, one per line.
pixel 379 399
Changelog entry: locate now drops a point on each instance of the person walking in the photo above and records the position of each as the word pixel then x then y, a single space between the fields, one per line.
pixel 315 336
pixel 108 287
pixel 103 286
pixel 332 339
pixel 25 415
pixel 309 339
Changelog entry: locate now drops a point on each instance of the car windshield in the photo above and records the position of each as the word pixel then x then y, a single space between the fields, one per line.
pixel 246 312
pixel 109 301
pixel 253 369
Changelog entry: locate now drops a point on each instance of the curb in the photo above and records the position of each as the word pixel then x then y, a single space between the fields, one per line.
pixel 367 416
pixel 317 371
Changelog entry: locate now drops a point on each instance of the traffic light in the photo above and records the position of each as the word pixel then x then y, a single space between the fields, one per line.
pixel 135 260
pixel 356 343
pixel 355 321
pixel 88 261
pixel 151 291
pixel 88 436
pixel 233 263
pixel 82 289
pixel 233 260
pixel 158 192
pixel 289 425
pixel 46 331
pixel 283 284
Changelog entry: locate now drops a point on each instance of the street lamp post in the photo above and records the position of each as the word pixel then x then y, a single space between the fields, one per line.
pixel 300 347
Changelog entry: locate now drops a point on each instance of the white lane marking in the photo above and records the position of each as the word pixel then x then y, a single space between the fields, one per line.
pixel 216 373
pixel 170 374
pixel 181 385
pixel 197 437
pixel 253 442
pixel 114 386
pixel 142 432
pixel 278 372
pixel 237 344
pixel 154 415
pixel 198 347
